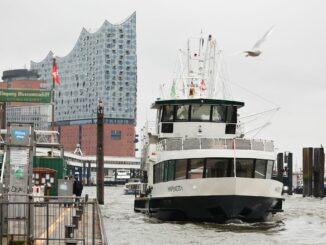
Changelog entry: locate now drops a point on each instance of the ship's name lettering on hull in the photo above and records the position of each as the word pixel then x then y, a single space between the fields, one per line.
pixel 175 188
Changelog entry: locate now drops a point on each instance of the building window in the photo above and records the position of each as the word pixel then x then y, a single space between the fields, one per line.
pixel 115 134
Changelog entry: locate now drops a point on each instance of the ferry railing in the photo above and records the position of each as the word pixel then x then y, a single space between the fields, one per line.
pixel 214 143
pixel 3 168
pixel 49 220
pixel 142 191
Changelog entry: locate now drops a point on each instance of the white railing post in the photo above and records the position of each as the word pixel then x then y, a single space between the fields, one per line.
pixel 3 167
pixel 182 144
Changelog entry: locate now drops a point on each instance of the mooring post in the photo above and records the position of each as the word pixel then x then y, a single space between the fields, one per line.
pixel 318 168
pixel 290 171
pixel 280 168
pixel 322 172
pixel 307 171
pixel 100 153
pixel 315 173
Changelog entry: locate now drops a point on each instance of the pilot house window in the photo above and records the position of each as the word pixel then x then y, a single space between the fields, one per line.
pixel 182 113
pixel 168 112
pixel 200 112
pixel 218 114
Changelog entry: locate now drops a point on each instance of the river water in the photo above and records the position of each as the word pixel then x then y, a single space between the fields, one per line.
pixel 303 222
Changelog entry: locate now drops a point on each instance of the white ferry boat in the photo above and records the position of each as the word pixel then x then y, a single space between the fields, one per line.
pixel 198 163
pixel 134 188
pixel 122 176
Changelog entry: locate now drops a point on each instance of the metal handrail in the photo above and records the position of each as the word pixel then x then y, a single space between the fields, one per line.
pixel 3 167
pixel 102 227
pixel 31 221
pixel 181 144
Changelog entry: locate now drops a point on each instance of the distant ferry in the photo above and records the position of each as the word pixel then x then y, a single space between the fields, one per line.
pixel 134 188
pixel 198 162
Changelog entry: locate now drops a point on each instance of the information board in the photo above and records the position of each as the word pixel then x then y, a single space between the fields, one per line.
pixel 32 96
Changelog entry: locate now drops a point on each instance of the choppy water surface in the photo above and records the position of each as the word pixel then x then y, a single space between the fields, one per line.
pixel 303 222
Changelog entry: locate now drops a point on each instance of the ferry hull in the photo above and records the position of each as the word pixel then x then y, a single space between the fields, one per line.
pixel 211 208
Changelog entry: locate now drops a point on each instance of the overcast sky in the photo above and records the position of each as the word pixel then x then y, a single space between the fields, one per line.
pixel 289 73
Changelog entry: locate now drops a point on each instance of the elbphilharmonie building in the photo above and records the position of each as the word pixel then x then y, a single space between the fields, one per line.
pixel 101 65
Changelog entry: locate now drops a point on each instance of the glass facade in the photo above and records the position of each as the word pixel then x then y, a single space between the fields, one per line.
pixel 39 114
pixel 101 65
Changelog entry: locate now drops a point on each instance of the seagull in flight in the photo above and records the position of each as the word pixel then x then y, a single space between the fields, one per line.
pixel 256 48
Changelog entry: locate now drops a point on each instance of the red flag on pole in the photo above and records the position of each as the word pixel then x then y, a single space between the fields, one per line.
pixel 55 74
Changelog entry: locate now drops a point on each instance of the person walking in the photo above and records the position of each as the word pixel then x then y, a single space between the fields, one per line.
pixel 77 189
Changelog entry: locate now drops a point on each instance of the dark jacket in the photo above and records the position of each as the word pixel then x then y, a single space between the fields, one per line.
pixel 77 188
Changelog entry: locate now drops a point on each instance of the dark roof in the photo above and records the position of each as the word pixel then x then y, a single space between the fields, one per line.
pixel 160 103
pixel 19 73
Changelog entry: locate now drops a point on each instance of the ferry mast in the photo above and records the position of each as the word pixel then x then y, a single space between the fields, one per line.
pixel 201 72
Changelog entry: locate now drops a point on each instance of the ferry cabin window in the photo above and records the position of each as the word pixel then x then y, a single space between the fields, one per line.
pixel 219 113
pixel 182 113
pixel 180 169
pixel 158 172
pixel 167 114
pixel 269 170
pixel 244 168
pixel 196 168
pixel 260 169
pixel 169 170
pixel 200 112
pixel 214 168
pixel 231 114
pixel 218 168
pixel 161 171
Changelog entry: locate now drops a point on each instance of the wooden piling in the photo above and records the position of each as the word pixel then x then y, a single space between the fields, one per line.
pixel 307 170
pixel 290 171
pixel 322 171
pixel 280 168
pixel 318 174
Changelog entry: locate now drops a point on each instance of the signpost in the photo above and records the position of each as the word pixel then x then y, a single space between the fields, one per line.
pixel 20 149
pixel 32 96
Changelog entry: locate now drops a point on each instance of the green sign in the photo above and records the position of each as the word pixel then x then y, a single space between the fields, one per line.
pixel 34 96
pixel 19 173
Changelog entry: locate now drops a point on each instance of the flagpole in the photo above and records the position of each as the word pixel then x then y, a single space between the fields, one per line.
pixel 53 86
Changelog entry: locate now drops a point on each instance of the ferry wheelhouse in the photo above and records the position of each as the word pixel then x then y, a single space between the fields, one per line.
pixel 198 162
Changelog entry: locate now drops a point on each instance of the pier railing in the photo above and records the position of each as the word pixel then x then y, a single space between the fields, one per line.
pixel 50 220
pixel 214 143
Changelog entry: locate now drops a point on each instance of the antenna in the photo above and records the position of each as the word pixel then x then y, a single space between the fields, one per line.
pixel 200 73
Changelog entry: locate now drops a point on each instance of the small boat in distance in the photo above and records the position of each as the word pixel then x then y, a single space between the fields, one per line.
pixel 197 161
pixel 134 188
